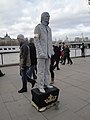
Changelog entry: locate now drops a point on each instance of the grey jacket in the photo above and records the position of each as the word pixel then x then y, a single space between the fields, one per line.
pixel 24 56
pixel 43 41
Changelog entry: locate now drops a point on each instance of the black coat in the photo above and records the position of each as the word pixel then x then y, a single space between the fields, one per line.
pixel 33 54
pixel 66 52
pixel 57 53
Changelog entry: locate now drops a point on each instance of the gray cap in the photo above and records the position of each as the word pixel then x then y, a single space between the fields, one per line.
pixel 20 36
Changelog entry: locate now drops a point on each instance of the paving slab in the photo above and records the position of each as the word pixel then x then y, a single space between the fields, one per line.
pixel 74 98
pixel 85 112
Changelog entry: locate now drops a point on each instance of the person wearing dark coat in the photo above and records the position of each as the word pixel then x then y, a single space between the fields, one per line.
pixel 67 55
pixel 33 67
pixel 24 61
pixel 83 50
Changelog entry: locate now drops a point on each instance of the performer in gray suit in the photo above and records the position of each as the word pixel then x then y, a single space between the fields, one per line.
pixel 43 43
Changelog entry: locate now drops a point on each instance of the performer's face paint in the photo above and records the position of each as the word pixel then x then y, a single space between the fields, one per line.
pixel 45 18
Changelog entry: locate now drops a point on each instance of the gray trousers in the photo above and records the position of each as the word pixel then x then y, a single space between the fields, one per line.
pixel 43 72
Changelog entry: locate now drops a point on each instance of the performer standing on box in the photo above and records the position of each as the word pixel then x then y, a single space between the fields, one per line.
pixel 43 43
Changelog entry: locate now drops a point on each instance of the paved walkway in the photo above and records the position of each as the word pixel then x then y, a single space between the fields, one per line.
pixel 74 81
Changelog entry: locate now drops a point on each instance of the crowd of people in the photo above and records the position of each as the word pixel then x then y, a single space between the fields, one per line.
pixel 28 61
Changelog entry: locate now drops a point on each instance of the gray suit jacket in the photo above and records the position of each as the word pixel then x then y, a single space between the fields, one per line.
pixel 43 41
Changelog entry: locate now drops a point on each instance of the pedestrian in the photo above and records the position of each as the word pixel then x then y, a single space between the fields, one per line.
pixel 31 72
pixel 43 43
pixel 24 61
pixel 82 50
pixel 62 52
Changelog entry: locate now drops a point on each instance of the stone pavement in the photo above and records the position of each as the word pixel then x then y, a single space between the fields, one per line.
pixel 74 82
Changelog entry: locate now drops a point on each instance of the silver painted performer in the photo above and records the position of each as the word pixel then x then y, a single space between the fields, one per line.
pixel 43 43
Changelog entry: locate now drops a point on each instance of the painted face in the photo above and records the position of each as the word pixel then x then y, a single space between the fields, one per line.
pixel 45 17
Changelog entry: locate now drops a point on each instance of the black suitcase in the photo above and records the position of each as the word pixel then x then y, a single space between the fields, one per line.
pixel 41 101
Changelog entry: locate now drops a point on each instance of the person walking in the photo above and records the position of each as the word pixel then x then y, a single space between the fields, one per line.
pixel 82 50
pixel 43 43
pixel 67 56
pixel 24 61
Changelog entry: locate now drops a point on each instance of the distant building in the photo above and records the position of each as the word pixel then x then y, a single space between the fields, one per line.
pixel 81 39
pixel 76 43
pixel 7 41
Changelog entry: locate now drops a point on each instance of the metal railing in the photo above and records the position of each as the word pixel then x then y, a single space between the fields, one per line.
pixel 12 58
pixel 9 58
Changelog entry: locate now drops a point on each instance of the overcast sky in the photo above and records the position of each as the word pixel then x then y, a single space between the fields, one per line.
pixel 67 17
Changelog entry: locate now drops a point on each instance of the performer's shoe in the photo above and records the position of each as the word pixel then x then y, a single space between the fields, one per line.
pixel 42 109
pixel 42 90
pixel 49 86
pixel 22 90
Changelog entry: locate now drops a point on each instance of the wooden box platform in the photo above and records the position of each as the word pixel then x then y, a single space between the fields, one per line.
pixel 42 100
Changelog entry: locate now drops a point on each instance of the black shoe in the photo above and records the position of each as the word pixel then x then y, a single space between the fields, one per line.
pixel 22 90
pixel 2 75
pixel 33 83
pixel 71 63
pixel 58 68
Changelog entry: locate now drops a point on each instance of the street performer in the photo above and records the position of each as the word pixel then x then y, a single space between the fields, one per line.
pixel 43 43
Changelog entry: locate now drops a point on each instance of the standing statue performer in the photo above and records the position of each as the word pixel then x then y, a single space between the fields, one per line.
pixel 43 43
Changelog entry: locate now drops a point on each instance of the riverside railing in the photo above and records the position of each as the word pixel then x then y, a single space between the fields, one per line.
pixel 9 58
pixel 12 58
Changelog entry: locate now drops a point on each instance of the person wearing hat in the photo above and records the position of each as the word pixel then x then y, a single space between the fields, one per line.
pixel 24 61
pixel 43 43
